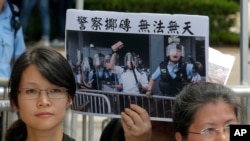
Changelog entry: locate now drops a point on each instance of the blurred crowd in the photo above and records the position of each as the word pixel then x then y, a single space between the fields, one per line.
pixel 51 15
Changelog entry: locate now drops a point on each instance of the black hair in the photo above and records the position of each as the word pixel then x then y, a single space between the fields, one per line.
pixel 53 66
pixel 113 131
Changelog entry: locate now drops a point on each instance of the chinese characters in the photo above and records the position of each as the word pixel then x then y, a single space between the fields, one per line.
pixel 143 26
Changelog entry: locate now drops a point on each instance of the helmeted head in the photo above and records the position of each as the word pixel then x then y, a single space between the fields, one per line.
pixel 130 57
pixel 98 60
pixel 107 58
pixel 87 64
pixel 107 61
pixel 175 51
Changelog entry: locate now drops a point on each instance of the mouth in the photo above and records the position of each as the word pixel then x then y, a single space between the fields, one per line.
pixel 44 114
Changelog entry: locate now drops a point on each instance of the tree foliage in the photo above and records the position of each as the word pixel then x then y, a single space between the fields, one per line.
pixel 220 12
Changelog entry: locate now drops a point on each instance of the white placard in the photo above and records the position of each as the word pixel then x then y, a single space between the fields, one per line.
pixel 147 35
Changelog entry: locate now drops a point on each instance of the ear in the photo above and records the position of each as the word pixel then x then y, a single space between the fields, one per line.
pixel 69 102
pixel 178 136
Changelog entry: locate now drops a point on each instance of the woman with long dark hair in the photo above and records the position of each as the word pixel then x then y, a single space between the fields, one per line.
pixel 42 87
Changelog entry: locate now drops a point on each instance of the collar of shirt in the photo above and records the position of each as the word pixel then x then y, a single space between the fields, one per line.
pixel 171 69
pixel 173 65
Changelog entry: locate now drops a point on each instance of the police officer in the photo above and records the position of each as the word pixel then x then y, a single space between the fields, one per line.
pixel 111 79
pixel 173 73
pixel 133 80
pixel 111 83
pixel 96 75
pixel 12 43
pixel 85 69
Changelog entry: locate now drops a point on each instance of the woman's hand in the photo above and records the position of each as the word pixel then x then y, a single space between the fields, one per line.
pixel 136 124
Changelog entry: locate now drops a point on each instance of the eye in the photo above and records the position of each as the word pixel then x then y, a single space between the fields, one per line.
pixel 208 130
pixel 55 90
pixel 31 91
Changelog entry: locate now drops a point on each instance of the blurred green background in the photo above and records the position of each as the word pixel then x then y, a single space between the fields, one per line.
pixel 222 15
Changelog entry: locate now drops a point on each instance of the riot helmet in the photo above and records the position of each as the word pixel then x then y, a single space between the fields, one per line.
pixel 107 61
pixel 107 58
pixel 130 57
pixel 175 51
pixel 87 63
pixel 172 49
pixel 98 60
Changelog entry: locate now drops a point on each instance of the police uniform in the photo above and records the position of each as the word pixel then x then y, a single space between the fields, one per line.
pixel 129 83
pixel 173 77
pixel 103 79
pixel 11 45
pixel 174 73
pixel 130 86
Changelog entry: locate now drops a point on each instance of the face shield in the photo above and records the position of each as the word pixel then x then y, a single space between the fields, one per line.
pixel 175 48
pixel 85 64
pixel 98 60
pixel 107 59
pixel 130 57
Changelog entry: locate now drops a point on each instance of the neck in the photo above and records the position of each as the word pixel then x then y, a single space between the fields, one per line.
pixel 45 135
pixel 173 62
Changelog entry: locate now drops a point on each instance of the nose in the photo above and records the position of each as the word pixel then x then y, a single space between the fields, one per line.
pixel 43 99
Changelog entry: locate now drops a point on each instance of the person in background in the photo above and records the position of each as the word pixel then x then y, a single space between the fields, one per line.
pixel 204 112
pixel 96 75
pixel 42 87
pixel 85 68
pixel 61 8
pixel 43 6
pixel 11 41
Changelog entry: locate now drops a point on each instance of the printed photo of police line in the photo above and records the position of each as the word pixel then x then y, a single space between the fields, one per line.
pixel 120 84
pixel 131 82
pixel 175 72
pixel 171 75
